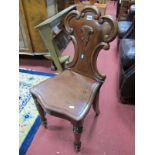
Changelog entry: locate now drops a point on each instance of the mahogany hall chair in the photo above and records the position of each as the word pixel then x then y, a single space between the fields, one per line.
pixel 71 94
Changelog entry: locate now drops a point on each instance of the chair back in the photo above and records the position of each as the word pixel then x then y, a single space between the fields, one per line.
pixel 90 32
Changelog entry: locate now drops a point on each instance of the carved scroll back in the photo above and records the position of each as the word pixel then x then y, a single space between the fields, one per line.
pixel 90 32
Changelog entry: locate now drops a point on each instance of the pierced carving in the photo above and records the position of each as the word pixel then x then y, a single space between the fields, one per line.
pixel 94 56
pixel 76 55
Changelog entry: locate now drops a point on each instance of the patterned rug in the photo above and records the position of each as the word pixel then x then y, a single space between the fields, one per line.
pixel 29 120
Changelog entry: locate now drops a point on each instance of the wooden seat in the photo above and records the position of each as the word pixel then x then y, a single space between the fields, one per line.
pixel 75 100
pixel 70 94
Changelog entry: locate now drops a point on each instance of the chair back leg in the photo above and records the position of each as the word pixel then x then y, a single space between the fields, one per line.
pixel 96 104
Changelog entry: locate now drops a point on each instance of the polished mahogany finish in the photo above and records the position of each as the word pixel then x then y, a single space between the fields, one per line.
pixel 71 94
pixel 90 32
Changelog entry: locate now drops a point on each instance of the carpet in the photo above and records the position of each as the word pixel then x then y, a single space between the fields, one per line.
pixel 29 120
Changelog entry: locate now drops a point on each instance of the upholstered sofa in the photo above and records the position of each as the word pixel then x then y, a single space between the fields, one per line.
pixel 127 71
pixel 126 47
pixel 126 27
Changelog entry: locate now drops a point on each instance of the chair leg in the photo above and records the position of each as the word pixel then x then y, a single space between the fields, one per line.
pixel 41 112
pixel 96 105
pixel 77 129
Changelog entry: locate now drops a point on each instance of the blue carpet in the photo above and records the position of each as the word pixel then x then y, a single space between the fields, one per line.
pixel 29 119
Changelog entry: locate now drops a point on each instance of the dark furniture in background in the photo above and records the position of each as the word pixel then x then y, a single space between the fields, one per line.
pixel 127 71
pixel 126 44
pixel 71 94
pixel 122 8
pixel 125 26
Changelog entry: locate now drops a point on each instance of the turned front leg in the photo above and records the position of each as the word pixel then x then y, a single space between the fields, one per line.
pixel 77 129
pixel 41 112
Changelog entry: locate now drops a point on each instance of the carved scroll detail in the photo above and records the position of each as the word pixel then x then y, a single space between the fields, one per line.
pixel 91 9
pixel 113 24
pixel 102 29
pixel 71 15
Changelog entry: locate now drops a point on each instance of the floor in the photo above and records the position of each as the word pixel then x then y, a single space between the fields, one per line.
pixel 111 133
